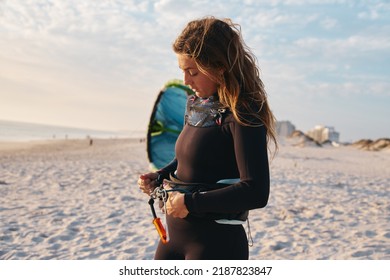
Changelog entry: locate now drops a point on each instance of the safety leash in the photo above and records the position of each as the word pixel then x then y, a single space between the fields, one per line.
pixel 160 194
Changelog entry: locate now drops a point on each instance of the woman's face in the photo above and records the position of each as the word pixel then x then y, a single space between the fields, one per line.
pixel 203 86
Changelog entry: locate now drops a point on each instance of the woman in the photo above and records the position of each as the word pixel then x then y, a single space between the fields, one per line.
pixel 223 145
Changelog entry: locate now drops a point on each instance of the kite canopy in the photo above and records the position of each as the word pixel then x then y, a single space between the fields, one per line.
pixel 166 123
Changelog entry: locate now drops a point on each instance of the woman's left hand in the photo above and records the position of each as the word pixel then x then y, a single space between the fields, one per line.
pixel 175 205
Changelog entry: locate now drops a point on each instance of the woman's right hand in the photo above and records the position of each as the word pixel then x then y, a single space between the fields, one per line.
pixel 148 182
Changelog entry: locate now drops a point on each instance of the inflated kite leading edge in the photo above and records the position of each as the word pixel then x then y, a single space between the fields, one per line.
pixel 166 122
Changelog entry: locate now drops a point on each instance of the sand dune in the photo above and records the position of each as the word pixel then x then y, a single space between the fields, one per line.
pixel 382 144
pixel 300 139
pixel 69 200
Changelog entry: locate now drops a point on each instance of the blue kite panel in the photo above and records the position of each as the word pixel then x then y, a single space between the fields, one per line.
pixel 169 115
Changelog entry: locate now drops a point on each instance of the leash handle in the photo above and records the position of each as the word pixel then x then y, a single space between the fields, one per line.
pixel 161 230
pixel 157 223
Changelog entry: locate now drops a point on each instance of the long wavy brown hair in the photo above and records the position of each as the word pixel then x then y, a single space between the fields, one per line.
pixel 220 53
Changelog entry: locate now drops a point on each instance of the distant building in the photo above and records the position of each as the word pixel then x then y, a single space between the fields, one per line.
pixel 322 133
pixel 284 128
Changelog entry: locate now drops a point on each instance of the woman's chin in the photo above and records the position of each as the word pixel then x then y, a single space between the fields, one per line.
pixel 202 95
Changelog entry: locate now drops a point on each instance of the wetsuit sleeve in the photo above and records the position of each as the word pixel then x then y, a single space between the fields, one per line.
pixel 252 191
pixel 169 168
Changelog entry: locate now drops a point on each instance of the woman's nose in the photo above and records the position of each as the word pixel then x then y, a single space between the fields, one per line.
pixel 187 79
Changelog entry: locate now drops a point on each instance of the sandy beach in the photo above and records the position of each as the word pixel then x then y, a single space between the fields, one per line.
pixel 65 199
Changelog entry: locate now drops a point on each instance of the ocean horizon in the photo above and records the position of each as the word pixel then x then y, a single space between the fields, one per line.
pixel 23 131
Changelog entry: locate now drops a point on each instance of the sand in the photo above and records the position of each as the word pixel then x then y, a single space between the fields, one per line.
pixel 69 200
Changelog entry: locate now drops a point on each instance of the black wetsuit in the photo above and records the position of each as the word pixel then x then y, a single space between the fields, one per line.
pixel 222 149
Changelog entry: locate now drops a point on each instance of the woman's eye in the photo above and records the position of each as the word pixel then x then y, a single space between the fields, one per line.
pixel 192 73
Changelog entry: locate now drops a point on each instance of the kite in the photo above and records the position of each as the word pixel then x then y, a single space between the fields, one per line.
pixel 166 123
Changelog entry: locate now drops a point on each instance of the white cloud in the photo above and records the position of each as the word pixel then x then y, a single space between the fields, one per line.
pixel 375 11
pixel 329 23
pixel 354 45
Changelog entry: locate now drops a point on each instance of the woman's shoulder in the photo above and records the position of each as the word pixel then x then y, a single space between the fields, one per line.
pixel 246 115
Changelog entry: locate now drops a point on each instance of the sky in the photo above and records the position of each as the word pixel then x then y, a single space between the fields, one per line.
pixel 100 64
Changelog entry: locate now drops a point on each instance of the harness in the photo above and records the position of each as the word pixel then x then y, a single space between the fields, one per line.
pixel 203 112
pixel 176 185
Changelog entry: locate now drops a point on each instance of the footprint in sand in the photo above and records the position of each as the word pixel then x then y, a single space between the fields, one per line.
pixel 281 245
pixel 117 213
pixel 360 254
pixel 370 233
